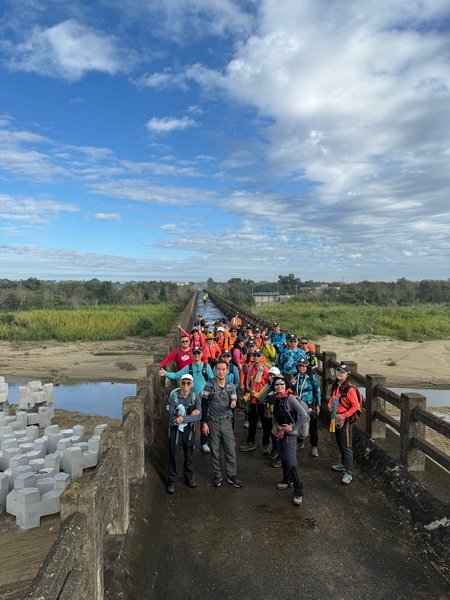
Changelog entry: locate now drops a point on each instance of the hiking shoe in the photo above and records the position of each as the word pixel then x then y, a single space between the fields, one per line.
pixel 170 488
pixel 297 500
pixel 284 485
pixel 233 480
pixel 274 454
pixel 246 425
pixel 217 480
pixel 340 467
pixel 191 483
pixel 314 451
pixel 205 448
pixel 346 478
pixel 265 450
pixel 276 463
pixel 248 447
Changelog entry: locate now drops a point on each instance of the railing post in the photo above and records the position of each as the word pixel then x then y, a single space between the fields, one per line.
pixel 374 428
pixel 412 458
pixel 327 371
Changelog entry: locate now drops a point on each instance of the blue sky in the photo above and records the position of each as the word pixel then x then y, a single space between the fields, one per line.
pixel 182 139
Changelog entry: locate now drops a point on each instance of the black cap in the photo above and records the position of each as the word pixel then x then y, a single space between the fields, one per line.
pixel 343 368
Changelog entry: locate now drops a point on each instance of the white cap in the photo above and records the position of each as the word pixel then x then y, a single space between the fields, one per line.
pixel 274 371
pixel 187 376
pixel 220 329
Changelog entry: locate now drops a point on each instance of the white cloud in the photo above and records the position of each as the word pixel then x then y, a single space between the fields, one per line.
pixel 27 211
pixel 107 216
pixel 68 50
pixel 183 19
pixel 167 124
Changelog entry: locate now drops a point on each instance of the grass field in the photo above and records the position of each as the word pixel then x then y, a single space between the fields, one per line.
pixel 409 323
pixel 89 324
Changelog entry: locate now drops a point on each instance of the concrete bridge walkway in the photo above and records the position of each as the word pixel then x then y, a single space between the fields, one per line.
pixel 250 543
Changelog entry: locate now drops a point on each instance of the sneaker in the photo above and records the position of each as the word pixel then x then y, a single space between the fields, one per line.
pixel 284 485
pixel 346 478
pixel 233 480
pixel 259 425
pixel 246 425
pixel 297 500
pixel 300 443
pixel 340 467
pixel 314 451
pixel 205 449
pixel 276 463
pixel 274 454
pixel 217 480
pixel 191 483
pixel 248 446
pixel 265 450
pixel 170 488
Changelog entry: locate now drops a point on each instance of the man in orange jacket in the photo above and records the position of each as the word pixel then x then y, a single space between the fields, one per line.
pixel 256 380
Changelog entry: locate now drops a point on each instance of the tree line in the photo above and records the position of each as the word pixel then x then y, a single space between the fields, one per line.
pixel 402 292
pixel 32 293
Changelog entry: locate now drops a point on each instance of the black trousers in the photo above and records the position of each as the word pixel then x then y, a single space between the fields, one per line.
pixel 255 411
pixel 177 440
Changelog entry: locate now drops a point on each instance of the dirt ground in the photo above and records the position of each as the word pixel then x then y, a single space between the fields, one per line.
pixel 414 364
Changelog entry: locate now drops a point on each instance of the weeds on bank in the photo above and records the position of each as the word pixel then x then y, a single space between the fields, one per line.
pixel 89 324
pixel 409 323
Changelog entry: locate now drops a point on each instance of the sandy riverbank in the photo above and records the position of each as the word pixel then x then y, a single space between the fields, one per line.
pixel 417 364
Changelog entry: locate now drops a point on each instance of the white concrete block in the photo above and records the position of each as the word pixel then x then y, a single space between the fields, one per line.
pixel 24 480
pixel 72 462
pixel 34 385
pixel 62 480
pixel 4 491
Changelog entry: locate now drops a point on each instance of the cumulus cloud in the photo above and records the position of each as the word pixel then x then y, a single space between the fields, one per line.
pixel 168 124
pixel 67 50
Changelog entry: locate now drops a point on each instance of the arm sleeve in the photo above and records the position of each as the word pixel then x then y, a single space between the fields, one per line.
pixel 205 399
pixel 177 374
pixel 316 391
pixel 169 358
pixel 263 394
pixel 302 415
pixel 198 406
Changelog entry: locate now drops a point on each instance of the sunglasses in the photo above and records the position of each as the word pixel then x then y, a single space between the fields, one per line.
pixel 279 383
pixel 186 383
pixel 185 341
pixel 194 353
pixel 303 343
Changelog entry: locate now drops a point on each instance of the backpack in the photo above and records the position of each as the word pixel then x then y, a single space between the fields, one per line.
pixel 356 415
pixel 204 371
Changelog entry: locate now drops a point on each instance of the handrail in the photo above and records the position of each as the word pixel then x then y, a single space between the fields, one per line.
pixel 414 415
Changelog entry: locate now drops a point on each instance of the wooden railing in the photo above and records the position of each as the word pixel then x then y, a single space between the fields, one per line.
pixel 414 416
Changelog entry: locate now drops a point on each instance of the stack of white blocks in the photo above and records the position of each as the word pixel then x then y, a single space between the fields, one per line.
pixel 30 479
pixel 37 400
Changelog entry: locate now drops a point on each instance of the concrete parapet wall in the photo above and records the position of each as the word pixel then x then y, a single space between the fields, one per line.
pixel 99 505
pixel 64 562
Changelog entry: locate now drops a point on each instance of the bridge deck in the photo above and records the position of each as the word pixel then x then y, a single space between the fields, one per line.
pixel 250 543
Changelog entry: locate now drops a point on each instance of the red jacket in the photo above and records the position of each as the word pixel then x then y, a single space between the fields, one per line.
pixel 348 402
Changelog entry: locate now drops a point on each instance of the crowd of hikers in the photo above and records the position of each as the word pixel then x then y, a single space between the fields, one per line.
pixel 271 376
